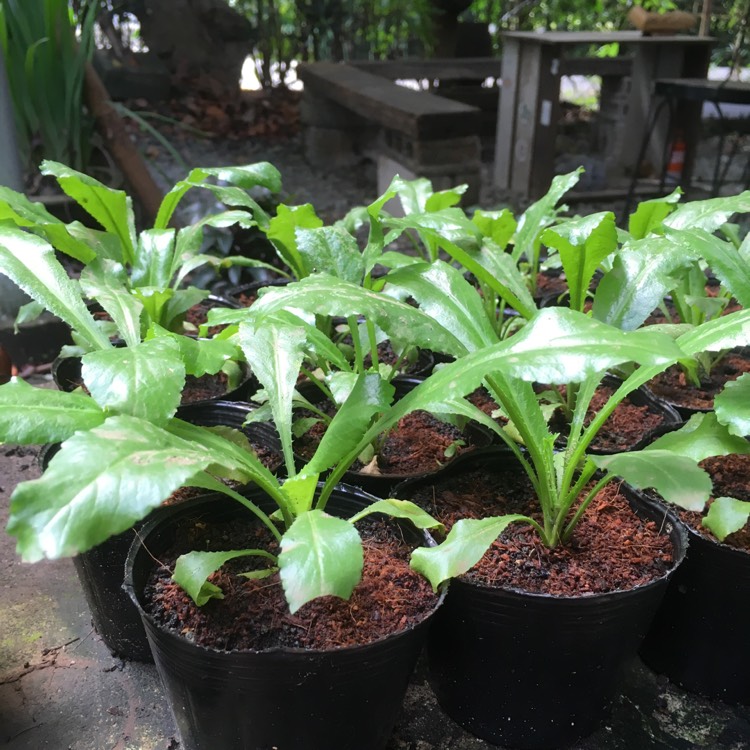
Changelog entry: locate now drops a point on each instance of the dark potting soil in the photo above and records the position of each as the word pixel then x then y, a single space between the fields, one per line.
pixel 197 315
pixel 254 615
pixel 628 424
pixel 731 478
pixel 417 444
pixel 204 388
pixel 612 548
pixel 673 386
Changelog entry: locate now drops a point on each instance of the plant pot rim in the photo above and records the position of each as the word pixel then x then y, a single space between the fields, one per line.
pixel 186 507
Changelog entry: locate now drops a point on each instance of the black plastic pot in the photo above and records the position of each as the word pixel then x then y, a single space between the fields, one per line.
pixel 382 485
pixel 100 569
pixel 530 670
pixel 699 635
pixel 236 294
pixel 299 699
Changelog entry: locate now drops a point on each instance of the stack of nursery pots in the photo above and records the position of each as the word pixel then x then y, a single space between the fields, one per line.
pixel 285 609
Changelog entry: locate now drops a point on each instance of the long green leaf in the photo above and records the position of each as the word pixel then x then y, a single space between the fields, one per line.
pixel 192 570
pixel 31 415
pixel 331 250
pixel 444 295
pixel 275 353
pixel 320 556
pixel 678 479
pixel 143 381
pixel 100 483
pixel 463 548
pixel 31 263
pixel 649 215
pixel 324 295
pixel 405 509
pixel 709 214
pixel 583 244
pixel 113 209
pixel 732 405
pixel 282 231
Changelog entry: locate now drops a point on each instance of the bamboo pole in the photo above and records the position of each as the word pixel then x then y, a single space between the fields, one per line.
pixel 705 27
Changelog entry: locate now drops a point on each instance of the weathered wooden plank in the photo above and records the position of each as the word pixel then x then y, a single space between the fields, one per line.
pixel 415 113
pixel 444 69
pixel 596 66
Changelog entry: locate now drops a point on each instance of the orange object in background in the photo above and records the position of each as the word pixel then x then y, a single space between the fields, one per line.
pixel 676 160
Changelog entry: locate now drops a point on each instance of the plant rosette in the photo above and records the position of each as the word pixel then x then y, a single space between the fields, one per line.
pixel 333 674
pixel 541 687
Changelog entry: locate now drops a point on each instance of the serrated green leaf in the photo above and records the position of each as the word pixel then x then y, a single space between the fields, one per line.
pixel 370 396
pixel 332 251
pixel 678 479
pixel 649 215
pixel 583 243
pixel 99 484
pixel 701 437
pixel 275 352
pixel 31 415
pixel 141 381
pixel 299 490
pixel 406 509
pixel 105 281
pixel 282 231
pixel 732 405
pixel 726 515
pixel 709 214
pixel 30 262
pixel 324 295
pixel 192 570
pixel 727 332
pixel 637 282
pixel 722 257
pixel 444 295
pixel 320 556
pixel 540 215
pixel 462 549
pixel 113 209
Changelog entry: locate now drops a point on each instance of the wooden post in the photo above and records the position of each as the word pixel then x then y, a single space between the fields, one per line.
pixel 117 140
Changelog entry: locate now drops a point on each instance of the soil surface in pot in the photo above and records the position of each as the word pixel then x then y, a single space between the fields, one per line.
pixel 612 548
pixel 626 427
pixel 254 614
pixel 731 478
pixel 673 386
pixel 417 444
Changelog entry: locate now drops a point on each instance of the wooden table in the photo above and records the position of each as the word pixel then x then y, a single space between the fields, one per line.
pixel 529 108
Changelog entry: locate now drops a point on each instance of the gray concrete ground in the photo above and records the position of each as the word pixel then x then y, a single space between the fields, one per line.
pixel 60 689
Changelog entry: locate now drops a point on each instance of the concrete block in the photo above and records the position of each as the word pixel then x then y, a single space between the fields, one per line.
pixel 331 148
pixel 325 113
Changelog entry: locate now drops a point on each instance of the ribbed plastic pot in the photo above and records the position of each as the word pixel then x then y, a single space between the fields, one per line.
pixel 100 569
pixel 536 671
pixel 343 699
pixel 699 635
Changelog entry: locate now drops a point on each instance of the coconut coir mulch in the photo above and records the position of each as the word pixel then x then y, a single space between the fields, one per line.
pixel 674 387
pixel 612 548
pixel 254 614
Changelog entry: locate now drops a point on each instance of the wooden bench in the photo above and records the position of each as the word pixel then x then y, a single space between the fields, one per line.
pixel 349 113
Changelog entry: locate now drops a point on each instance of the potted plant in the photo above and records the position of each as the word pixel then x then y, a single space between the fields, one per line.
pixel 696 638
pixel 114 467
pixel 556 346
